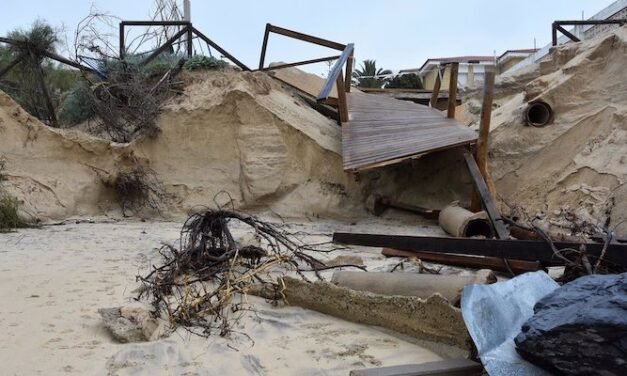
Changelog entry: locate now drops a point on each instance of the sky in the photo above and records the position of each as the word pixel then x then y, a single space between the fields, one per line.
pixel 398 34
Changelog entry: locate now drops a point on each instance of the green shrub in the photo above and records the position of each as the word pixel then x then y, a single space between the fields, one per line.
pixel 9 214
pixel 10 218
pixel 77 106
pixel 200 62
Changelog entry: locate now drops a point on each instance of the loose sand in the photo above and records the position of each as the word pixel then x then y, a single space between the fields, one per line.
pixel 53 280
pixel 578 164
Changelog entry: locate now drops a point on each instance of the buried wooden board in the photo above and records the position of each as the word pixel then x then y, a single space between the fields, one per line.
pixel 448 367
pixel 382 130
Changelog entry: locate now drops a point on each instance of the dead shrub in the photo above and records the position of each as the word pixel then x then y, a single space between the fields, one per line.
pixel 139 189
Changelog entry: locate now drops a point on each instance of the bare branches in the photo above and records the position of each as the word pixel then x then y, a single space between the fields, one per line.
pixel 196 283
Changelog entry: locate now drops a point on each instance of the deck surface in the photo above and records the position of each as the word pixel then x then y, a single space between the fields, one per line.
pixel 383 130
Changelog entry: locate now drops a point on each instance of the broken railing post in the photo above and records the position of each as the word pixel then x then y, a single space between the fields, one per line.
pixel 44 89
pixel 452 91
pixel 264 46
pixel 481 155
pixel 122 42
pixel 486 198
pixel 341 99
pixel 554 34
pixel 190 42
pixel 435 94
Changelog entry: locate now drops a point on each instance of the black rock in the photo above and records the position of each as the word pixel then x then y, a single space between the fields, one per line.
pixel 580 328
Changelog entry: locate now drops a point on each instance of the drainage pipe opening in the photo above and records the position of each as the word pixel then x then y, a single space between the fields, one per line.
pixel 539 114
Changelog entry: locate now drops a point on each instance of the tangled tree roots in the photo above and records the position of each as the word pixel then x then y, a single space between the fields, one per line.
pixel 195 284
pixel 139 189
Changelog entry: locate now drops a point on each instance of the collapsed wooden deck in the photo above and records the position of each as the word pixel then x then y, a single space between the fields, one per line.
pixel 383 130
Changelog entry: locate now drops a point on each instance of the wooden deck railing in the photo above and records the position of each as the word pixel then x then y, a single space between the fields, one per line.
pixel 336 75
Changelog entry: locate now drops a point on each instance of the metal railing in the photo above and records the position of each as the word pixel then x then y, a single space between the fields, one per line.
pixel 557 26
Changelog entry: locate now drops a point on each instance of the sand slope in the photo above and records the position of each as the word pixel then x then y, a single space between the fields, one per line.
pixel 578 164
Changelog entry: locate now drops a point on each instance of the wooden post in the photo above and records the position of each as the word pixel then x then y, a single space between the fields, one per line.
pixel 122 46
pixel 452 91
pixel 341 99
pixel 190 41
pixel 349 73
pixel 44 90
pixel 481 155
pixel 264 46
pixel 15 62
pixel 554 34
pixel 435 94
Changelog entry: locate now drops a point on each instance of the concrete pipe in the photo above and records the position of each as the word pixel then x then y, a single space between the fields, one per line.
pixel 462 223
pixel 411 284
pixel 539 114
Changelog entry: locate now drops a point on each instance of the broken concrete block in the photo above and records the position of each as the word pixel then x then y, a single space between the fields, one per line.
pixel 130 324
pixel 580 328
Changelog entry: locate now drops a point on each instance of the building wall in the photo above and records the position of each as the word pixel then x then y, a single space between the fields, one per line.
pixel 510 63
pixel 428 79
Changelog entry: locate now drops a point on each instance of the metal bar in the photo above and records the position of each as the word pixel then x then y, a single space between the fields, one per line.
pixel 164 47
pixel 156 23
pixel 486 197
pixel 335 71
pixel 494 263
pixel 554 34
pixel 122 42
pixel 298 63
pixel 452 91
pixel 306 37
pixel 220 49
pixel 481 154
pixel 528 250
pixel 568 34
pixel 13 63
pixel 342 108
pixel 591 22
pixel 264 46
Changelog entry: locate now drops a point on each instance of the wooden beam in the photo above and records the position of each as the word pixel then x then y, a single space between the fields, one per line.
pixel 44 90
pixel 452 91
pixel 220 49
pixel 554 34
pixel 349 72
pixel 298 63
pixel 568 34
pixel 264 46
pixel 464 261
pixel 481 154
pixel 307 38
pixel 342 108
pixel 527 250
pixel 435 94
pixel 486 198
pixel 156 23
pixel 190 42
pixel 122 42
pixel 13 63
pixel 164 47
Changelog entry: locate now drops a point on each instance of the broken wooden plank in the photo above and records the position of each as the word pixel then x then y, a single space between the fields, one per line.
pixel 447 367
pixel 464 261
pixel 486 198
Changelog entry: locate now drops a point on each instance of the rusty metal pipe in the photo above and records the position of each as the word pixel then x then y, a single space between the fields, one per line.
pixel 463 223
pixel 539 114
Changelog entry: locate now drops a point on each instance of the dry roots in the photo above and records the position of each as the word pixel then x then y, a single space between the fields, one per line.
pixel 196 283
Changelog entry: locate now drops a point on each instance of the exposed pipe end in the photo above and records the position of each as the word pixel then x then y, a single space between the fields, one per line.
pixel 478 227
pixel 539 114
pixel 460 222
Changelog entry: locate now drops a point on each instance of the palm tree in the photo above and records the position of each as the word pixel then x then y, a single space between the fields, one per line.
pixel 369 76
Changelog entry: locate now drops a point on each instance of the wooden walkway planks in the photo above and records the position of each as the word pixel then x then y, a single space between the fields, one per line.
pixel 382 130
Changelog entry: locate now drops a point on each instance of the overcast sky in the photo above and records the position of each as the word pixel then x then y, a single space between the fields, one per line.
pixel 398 34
